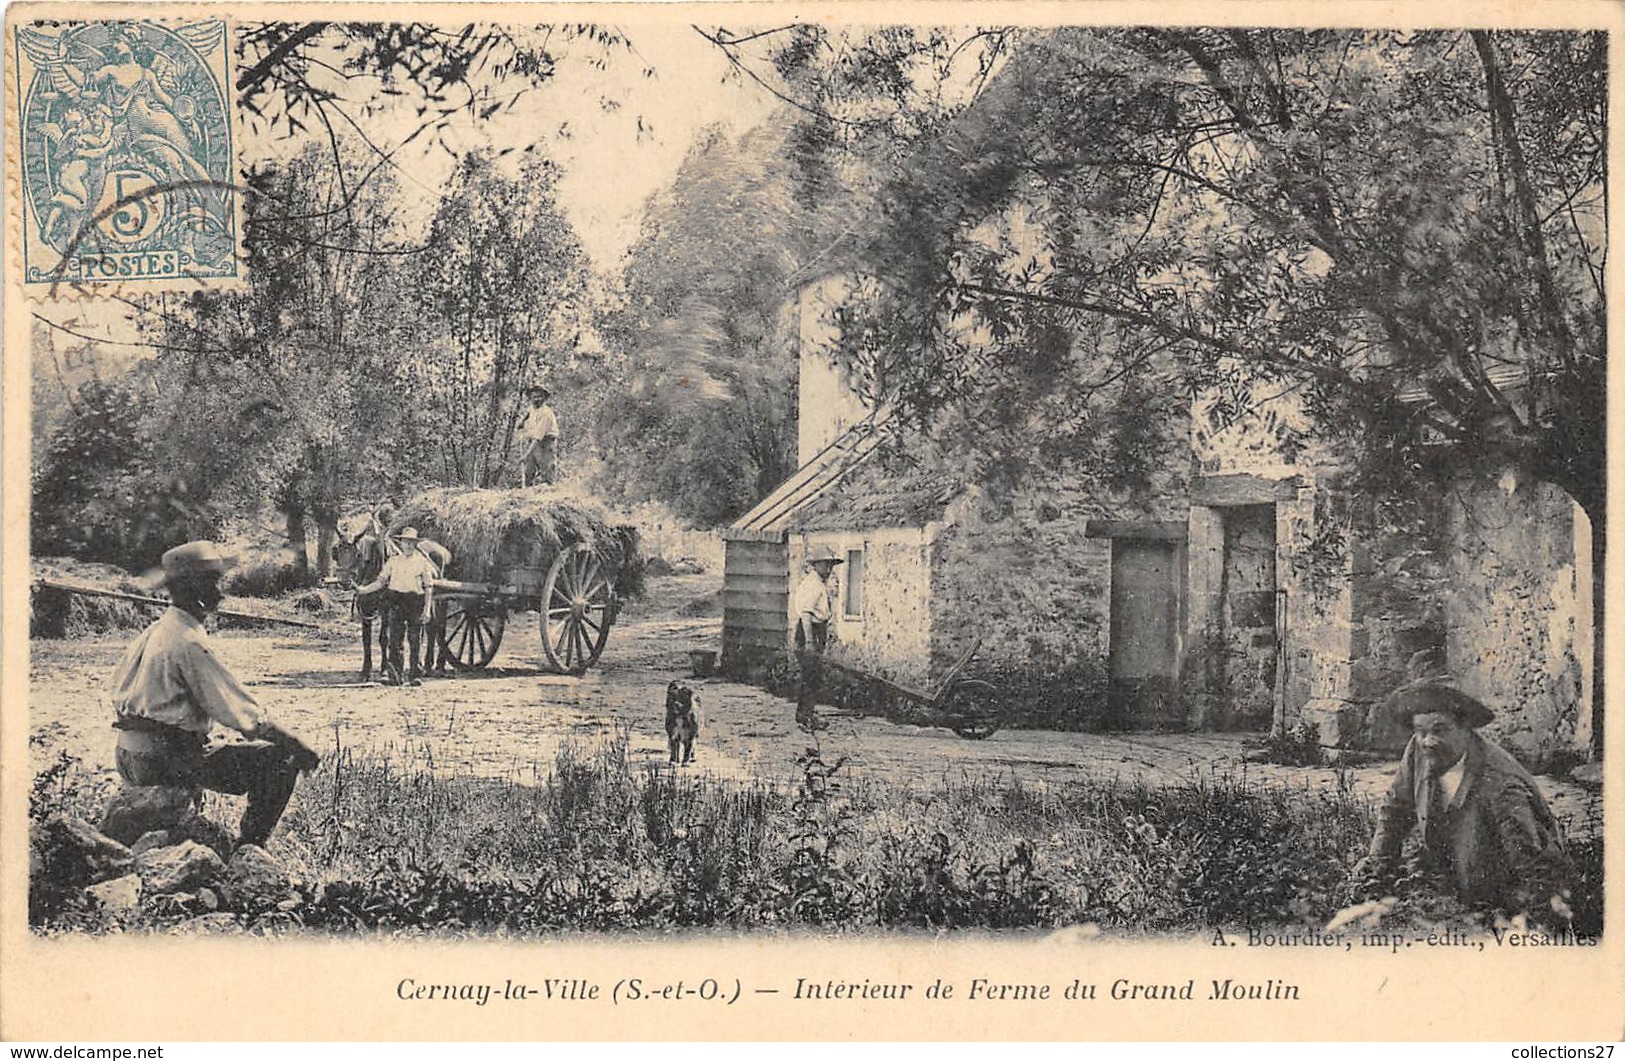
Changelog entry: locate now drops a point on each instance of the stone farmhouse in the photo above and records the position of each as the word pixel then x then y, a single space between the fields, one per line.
pixel 1207 600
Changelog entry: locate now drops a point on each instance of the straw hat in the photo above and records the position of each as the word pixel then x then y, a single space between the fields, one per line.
pixel 824 554
pixel 199 559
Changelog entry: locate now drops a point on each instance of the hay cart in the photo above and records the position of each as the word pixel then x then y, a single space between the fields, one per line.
pixel 968 706
pixel 574 597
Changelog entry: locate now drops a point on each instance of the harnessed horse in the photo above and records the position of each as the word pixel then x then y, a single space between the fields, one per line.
pixel 359 561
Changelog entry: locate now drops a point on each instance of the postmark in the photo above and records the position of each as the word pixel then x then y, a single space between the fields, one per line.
pixel 127 153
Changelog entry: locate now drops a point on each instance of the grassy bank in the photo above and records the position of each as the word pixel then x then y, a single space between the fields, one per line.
pixel 381 842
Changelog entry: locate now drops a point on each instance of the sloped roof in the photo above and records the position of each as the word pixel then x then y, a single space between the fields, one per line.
pixel 876 498
pixel 769 520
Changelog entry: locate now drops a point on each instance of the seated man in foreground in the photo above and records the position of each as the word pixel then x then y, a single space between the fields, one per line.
pixel 1483 829
pixel 169 689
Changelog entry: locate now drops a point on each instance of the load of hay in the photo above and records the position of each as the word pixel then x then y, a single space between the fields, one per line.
pixel 489 531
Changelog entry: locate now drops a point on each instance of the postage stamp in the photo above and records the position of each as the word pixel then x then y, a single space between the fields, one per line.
pixel 126 152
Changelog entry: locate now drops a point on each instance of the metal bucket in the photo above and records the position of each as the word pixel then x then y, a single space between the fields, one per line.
pixel 704 662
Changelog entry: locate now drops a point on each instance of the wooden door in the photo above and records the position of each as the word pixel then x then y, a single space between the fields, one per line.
pixel 1144 638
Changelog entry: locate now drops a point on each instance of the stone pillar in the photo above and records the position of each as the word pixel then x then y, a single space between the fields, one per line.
pixel 1297 600
pixel 1203 668
pixel 1323 634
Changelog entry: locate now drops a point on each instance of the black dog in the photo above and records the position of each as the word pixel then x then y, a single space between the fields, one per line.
pixel 682 723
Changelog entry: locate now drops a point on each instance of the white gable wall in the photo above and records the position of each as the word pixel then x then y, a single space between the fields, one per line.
pixel 829 401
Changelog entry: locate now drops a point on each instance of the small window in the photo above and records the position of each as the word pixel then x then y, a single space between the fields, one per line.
pixel 852 594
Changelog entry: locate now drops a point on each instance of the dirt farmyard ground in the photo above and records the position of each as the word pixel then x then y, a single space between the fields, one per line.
pixel 509 721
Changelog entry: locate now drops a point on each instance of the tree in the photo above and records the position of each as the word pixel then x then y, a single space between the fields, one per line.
pixel 102 491
pixel 1404 228
pixel 707 405
pixel 503 285
pixel 286 392
pixel 303 76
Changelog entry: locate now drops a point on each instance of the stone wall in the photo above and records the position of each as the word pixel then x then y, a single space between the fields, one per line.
pixel 1274 443
pixel 1518 613
pixel 1494 583
pixel 1022 574
pixel 891 635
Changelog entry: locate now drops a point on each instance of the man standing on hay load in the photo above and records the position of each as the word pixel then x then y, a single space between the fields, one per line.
pixel 539 434
pixel 407 579
pixel 169 689
pixel 814 611
pixel 1484 832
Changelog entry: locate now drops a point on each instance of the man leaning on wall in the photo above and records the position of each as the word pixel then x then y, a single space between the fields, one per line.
pixel 815 609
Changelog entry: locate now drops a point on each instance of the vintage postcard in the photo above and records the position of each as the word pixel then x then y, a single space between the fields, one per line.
pixel 760 522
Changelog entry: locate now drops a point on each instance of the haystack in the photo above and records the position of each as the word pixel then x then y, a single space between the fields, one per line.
pixel 489 531
pixel 58 613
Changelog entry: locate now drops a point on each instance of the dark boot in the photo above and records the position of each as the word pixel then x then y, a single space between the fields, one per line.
pixel 263 772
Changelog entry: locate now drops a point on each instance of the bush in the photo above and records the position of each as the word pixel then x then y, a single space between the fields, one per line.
pixel 100 491
pixel 598 844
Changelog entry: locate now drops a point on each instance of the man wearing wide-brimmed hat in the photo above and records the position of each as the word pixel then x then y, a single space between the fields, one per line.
pixel 814 611
pixel 538 434
pixel 1482 827
pixel 406 579
pixel 170 688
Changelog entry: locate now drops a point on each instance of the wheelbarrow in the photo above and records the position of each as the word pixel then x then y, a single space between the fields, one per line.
pixel 967 706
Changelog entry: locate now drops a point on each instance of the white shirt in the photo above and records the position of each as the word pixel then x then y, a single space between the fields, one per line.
pixel 170 675
pixel 410 572
pixel 1450 780
pixel 812 598
pixel 540 423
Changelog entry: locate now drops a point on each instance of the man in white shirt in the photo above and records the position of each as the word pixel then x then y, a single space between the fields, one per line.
pixel 406 580
pixel 435 657
pixel 169 689
pixel 814 610
pixel 539 435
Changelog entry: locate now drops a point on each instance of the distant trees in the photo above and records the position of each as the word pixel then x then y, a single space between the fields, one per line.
pixel 102 488
pixel 501 298
pixel 284 393
pixel 356 366
pixel 705 416
pixel 361 360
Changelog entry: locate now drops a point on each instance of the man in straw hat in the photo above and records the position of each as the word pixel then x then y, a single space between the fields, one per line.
pixel 407 579
pixel 170 688
pixel 1483 830
pixel 814 611
pixel 539 435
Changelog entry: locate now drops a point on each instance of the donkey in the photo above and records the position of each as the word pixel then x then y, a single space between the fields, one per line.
pixel 359 560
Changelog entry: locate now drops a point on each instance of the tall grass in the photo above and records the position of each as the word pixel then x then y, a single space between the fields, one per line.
pixel 594 842
pixel 380 841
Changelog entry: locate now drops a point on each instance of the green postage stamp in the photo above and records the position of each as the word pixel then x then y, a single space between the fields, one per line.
pixel 126 152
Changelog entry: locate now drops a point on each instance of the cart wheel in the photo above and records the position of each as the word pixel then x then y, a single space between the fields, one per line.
pixel 578 606
pixel 971 710
pixel 472 631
